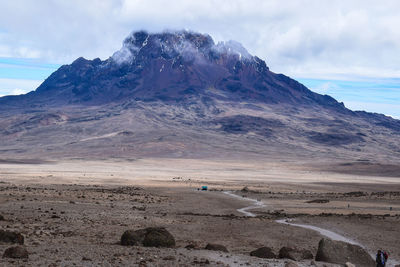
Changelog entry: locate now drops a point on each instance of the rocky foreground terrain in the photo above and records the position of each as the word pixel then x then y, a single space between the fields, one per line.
pixel 85 222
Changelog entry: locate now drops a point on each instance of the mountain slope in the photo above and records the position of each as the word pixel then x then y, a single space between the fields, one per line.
pixel 175 67
pixel 179 94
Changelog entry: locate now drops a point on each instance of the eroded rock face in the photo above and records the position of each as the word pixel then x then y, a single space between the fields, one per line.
pixel 17 252
pixel 263 252
pixel 295 254
pixel 149 237
pixel 11 237
pixel 216 247
pixel 340 253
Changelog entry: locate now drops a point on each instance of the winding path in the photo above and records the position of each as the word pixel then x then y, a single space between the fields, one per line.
pixel 245 210
pixel 331 235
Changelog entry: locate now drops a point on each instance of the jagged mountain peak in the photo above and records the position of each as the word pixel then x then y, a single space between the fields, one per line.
pixel 142 38
pixel 173 66
pixel 171 45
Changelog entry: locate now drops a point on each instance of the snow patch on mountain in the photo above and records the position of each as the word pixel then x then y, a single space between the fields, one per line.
pixel 190 46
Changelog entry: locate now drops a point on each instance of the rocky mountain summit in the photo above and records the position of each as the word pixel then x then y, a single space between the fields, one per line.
pixel 173 67
pixel 180 94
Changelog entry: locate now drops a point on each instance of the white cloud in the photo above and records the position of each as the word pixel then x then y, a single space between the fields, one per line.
pixel 300 38
pixel 325 87
pixel 17 87
pixel 18 91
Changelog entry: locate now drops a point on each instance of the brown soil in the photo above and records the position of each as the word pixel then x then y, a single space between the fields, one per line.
pixel 74 213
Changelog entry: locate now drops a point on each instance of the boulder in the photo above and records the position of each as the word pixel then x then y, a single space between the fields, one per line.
pixel 17 252
pixel 263 252
pixel 191 246
pixel 149 237
pixel 1 218
pixel 291 264
pixel 11 237
pixel 216 247
pixel 133 238
pixel 158 237
pixel 306 254
pixel 295 254
pixel 349 264
pixel 340 252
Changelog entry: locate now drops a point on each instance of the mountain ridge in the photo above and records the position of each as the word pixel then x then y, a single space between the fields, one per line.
pixel 187 62
pixel 181 95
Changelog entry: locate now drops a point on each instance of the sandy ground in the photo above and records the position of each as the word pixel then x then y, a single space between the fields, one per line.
pixel 74 212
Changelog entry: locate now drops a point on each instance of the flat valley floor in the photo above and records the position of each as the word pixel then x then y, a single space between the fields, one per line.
pixel 73 212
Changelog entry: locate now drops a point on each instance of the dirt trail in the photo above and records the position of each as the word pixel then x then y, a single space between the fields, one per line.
pixel 330 234
pixel 257 204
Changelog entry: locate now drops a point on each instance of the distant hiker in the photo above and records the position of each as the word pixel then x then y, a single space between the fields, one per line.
pixel 386 255
pixel 381 258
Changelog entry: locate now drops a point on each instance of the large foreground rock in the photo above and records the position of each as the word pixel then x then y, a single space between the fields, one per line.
pixel 216 247
pixel 149 237
pixel 11 237
pixel 340 252
pixel 17 252
pixel 263 252
pixel 295 254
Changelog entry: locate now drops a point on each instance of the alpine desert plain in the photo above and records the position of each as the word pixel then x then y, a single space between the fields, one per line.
pixel 73 212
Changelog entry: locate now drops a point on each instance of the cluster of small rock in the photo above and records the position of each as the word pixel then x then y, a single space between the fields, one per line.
pixel 336 252
pixel 328 251
pixel 9 237
pixel 15 252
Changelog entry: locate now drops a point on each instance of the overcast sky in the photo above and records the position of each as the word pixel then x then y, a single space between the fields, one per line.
pixel 325 44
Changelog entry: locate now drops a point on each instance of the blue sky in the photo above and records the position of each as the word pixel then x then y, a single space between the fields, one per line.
pixel 375 95
pixel 21 75
pixel 25 68
pixel 347 49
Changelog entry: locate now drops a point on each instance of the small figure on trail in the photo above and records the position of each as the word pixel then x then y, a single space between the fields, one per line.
pixel 381 258
pixel 386 255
